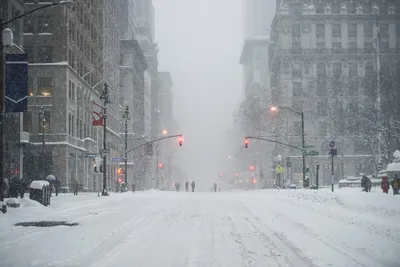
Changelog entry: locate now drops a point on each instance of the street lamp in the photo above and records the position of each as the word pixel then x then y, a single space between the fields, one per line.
pixel 276 109
pixel 164 131
pixel 126 118
pixel 8 42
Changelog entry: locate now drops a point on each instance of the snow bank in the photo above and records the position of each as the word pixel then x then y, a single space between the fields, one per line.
pixel 393 167
pixel 13 201
pixel 39 184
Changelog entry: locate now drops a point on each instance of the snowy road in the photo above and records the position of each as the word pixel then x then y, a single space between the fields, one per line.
pixel 235 229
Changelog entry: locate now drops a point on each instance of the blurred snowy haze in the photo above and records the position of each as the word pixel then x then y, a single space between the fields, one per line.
pixel 200 43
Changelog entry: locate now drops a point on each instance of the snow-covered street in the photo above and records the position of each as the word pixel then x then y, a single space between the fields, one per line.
pixel 235 229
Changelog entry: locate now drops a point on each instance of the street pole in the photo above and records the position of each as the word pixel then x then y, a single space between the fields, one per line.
pixel 332 174
pixel 302 146
pixel 157 169
pixel 4 207
pixel 169 173
pixel 317 182
pixel 126 117
pixel 378 87
pixel 42 124
pixel 104 96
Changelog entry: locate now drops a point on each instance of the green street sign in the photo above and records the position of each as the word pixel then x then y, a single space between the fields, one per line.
pixel 311 153
pixel 309 146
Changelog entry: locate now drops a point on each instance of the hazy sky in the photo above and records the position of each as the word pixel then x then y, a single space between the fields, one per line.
pixel 200 43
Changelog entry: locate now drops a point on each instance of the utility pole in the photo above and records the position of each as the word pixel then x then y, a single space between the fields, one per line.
pixel 303 149
pixel 104 96
pixel 317 177
pixel 169 173
pixel 158 152
pixel 4 207
pixel 126 117
pixel 378 89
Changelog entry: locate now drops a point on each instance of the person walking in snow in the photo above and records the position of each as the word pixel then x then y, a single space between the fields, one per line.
pixel 187 186
pixel 385 185
pixel 215 187
pixel 396 185
pixel 193 186
pixel 75 186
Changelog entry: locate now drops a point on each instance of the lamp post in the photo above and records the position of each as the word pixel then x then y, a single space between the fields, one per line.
pixel 104 96
pixel 275 109
pixel 8 42
pixel 126 117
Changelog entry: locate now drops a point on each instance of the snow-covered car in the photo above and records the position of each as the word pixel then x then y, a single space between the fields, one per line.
pixel 292 186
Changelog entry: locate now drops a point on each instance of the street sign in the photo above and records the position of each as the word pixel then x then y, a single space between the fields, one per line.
pixel 91 155
pixel 120 159
pixel 105 151
pixel 311 153
pixel 333 152
pixel 309 146
pixel 332 144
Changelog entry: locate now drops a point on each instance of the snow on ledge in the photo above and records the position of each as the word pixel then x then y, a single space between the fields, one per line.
pixel 13 201
pixel 393 167
pixel 39 184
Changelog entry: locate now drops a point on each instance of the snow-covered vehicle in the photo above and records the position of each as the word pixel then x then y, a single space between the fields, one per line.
pixel 292 186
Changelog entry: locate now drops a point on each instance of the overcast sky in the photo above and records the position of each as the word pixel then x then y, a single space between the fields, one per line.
pixel 200 44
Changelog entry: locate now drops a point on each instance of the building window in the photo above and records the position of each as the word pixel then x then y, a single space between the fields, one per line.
pixel 353 69
pixel 323 128
pixel 321 88
pixel 45 24
pixel 30 87
pixel 335 8
pixel 368 30
pixel 337 48
pixel 353 87
pixel 384 30
pixel 71 91
pixel 384 47
pixel 296 30
pixel 45 54
pixel 352 47
pixel 337 87
pixel 352 30
pixel 45 86
pixel 27 123
pixel 322 108
pixel 296 70
pixel 320 31
pixel 297 90
pixel 321 70
pixel 296 47
pixel 337 70
pixel 29 24
pixel 336 30
pixel 368 48
pixel 319 8
pixel 29 51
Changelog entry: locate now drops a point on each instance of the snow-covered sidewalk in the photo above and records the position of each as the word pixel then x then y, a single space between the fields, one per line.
pixel 236 229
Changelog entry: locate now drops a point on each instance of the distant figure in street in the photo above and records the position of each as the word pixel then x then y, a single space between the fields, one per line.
pixel 133 187
pixel 187 186
pixel 23 186
pixel 385 185
pixel 193 186
pixel 75 185
pixel 215 187
pixel 57 185
pixel 396 185
pixel 364 183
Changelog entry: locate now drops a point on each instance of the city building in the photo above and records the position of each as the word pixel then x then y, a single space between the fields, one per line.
pixel 15 139
pixel 257 17
pixel 72 53
pixel 323 62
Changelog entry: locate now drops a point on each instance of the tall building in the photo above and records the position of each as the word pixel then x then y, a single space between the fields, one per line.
pixel 15 139
pixel 257 17
pixel 72 53
pixel 323 60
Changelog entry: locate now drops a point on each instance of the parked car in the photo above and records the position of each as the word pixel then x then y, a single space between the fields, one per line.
pixel 292 186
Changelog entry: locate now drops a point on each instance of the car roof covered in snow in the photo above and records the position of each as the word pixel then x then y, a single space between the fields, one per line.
pixel 39 184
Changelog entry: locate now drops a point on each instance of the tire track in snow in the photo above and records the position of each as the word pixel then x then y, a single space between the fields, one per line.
pixel 109 240
pixel 277 241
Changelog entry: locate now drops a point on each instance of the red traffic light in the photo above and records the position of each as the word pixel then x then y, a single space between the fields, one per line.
pixel 119 180
pixel 246 143
pixel 251 167
pixel 236 174
pixel 180 140
pixel 160 165
pixel 220 175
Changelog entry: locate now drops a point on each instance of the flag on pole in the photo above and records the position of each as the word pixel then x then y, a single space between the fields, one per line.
pixel 97 114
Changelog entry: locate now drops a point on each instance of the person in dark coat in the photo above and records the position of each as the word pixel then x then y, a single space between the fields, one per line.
pixel 22 187
pixel 385 185
pixel 75 185
pixel 15 186
pixel 396 185
pixel 193 186
pixel 215 187
pixel 187 186
pixel 57 185
pixel 364 183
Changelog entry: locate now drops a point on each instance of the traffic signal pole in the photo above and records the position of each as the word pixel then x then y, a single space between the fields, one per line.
pixel 126 117
pixel 104 96
pixel 303 151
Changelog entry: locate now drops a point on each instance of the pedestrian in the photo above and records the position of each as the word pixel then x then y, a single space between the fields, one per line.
pixel 396 185
pixel 187 186
pixel 57 185
pixel 385 185
pixel 364 183
pixel 76 187
pixel 193 185
pixel 133 187
pixel 215 187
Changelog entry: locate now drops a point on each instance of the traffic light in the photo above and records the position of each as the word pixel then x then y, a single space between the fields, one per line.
pixel 254 181
pixel 180 140
pixel 236 174
pixel 220 175
pixel 251 167
pixel 160 166
pixel 246 143
pixel 119 180
pixel 119 171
